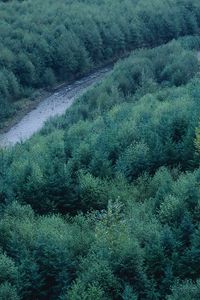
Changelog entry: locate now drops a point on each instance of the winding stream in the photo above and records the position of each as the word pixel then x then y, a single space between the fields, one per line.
pixel 56 104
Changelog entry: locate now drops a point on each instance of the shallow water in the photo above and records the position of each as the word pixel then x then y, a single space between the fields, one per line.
pixel 54 105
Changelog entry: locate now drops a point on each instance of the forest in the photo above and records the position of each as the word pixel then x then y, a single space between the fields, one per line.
pixel 43 43
pixel 104 202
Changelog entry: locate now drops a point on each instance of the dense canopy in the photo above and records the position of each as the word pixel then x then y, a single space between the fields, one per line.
pixel 45 42
pixel 104 202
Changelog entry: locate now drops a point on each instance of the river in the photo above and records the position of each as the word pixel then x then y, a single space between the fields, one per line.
pixel 54 105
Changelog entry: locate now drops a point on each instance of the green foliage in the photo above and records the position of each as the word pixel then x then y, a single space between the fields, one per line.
pixel 9 278
pixel 42 44
pixel 47 251
pixel 8 292
pixel 104 202
pixel 79 292
pixel 125 135
pixel 185 291
pixel 7 269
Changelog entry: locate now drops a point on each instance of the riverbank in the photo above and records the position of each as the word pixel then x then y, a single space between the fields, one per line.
pixel 25 106
pixel 52 105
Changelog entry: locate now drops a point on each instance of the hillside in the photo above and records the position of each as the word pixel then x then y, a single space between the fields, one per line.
pixel 43 43
pixel 104 202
